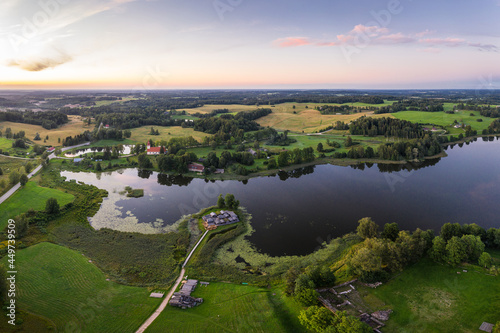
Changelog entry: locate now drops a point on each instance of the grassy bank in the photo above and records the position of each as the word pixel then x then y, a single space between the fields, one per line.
pixel 72 293
pixel 233 308
pixel 30 196
pixel 431 297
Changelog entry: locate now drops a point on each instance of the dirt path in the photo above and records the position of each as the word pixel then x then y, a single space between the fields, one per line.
pixel 163 304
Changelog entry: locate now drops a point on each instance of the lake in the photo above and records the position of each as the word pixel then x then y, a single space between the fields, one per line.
pixel 78 152
pixel 294 212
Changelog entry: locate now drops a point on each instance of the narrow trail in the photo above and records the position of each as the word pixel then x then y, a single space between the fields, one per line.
pixel 163 304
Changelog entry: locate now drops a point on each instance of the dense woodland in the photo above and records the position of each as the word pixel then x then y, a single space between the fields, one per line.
pixel 47 120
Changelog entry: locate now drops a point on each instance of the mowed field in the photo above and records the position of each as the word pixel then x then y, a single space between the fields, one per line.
pixel 73 127
pixel 445 119
pixel 230 107
pixel 308 120
pixel 232 308
pixel 142 135
pixel 30 196
pixel 63 286
pixel 430 297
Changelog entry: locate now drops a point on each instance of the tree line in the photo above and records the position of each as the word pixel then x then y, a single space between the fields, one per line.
pixel 47 119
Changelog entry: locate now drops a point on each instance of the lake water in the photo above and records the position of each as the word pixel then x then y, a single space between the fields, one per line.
pixel 126 151
pixel 293 213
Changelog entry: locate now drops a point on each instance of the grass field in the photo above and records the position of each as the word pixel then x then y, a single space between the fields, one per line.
pixel 30 196
pixel 63 286
pixel 430 297
pixel 73 127
pixel 233 308
pixel 307 120
pixel 283 118
pixel 230 107
pixel 445 119
pixel 142 135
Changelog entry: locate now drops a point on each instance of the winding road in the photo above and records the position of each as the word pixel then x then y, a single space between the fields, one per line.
pixel 16 187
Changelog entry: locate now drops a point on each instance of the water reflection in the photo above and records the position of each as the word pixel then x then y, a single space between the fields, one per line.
pixel 291 210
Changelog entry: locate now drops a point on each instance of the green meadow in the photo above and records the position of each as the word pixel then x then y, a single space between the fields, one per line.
pixel 30 196
pixel 73 295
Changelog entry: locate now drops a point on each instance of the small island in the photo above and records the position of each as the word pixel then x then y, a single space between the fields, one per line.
pixel 134 193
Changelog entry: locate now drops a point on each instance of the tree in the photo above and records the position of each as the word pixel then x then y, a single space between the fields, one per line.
pixel 348 142
pixel 307 297
pixel 22 225
pixel 438 251
pixel 303 282
pixel 485 260
pixel 456 250
pixel 1 171
pixel 316 318
pixel 367 228
pixel 319 148
pixel 28 167
pixel 37 137
pixel 229 200
pixel 52 206
pixel 23 179
pixel 474 247
pixel 391 231
pixel 4 285
pixel 289 277
pixel 144 161
pixel 14 177
pixel 448 230
pixel 127 133
pixel 98 167
pixel 349 324
pixel 220 201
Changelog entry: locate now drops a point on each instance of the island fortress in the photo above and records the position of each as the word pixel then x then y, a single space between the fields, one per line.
pixel 224 217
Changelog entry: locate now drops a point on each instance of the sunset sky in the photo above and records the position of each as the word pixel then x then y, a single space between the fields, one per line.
pixel 147 44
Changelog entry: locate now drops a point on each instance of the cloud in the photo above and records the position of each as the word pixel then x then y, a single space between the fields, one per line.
pixel 398 38
pixel 362 36
pixel 425 33
pixel 37 64
pixel 457 42
pixel 292 42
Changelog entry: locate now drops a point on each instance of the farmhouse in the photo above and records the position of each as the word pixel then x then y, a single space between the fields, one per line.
pixel 154 150
pixel 213 220
pixel 183 299
pixel 196 167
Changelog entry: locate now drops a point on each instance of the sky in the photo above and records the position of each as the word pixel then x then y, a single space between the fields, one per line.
pixel 248 44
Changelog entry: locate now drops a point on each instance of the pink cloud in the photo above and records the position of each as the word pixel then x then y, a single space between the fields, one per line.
pixel 425 33
pixel 451 42
pixel 398 38
pixel 292 41
pixel 362 35
pixel 370 31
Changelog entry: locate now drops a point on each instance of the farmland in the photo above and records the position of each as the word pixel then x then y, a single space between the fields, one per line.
pixel 445 119
pixel 142 135
pixel 307 120
pixel 64 287
pixel 233 308
pixel 30 196
pixel 73 127
pixel 430 297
